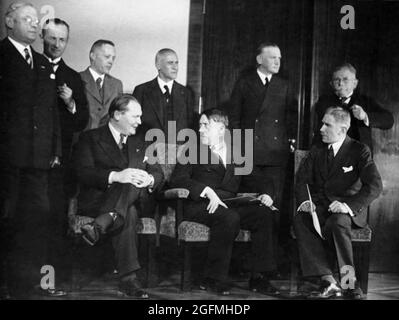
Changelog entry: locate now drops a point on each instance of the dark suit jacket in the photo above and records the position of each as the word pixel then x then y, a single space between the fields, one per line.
pixel 152 102
pixel 99 108
pixel 378 117
pixel 212 173
pixel 71 123
pixel 357 187
pixel 97 154
pixel 29 114
pixel 272 116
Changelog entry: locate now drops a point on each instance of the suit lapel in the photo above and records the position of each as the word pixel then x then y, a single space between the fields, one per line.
pixel 340 157
pixel 108 87
pixel 273 87
pixel 135 150
pixel 91 86
pixel 153 96
pixel 110 147
pixel 177 100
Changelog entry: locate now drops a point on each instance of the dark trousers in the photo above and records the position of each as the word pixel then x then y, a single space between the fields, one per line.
pixel 317 256
pixel 224 226
pixel 25 206
pixel 129 203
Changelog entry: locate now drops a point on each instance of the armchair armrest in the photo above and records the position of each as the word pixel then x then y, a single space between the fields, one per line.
pixel 175 193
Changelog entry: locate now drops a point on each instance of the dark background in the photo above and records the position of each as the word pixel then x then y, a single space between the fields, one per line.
pixel 222 40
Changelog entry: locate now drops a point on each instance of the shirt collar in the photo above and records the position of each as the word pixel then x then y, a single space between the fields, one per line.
pixel 221 150
pixel 20 47
pixel 96 75
pixel 262 76
pixel 56 60
pixel 162 83
pixel 347 99
pixel 116 134
pixel 337 145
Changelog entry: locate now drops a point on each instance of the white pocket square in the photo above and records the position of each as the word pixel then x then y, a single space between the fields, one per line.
pixel 145 159
pixel 347 169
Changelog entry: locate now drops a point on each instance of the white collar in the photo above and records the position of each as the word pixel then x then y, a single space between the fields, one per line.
pixel 20 47
pixel 96 75
pixel 348 98
pixel 262 76
pixel 337 145
pixel 116 134
pixel 162 84
pixel 56 60
pixel 221 150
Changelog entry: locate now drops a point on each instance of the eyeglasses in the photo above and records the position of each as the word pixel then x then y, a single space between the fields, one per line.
pixel 339 80
pixel 30 20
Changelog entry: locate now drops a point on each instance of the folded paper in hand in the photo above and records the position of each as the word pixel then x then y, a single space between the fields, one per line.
pixel 245 199
pixel 315 219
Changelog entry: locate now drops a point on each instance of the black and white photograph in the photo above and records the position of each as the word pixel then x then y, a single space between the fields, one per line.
pixel 199 157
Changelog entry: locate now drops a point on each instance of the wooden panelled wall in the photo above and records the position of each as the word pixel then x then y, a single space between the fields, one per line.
pixel 312 42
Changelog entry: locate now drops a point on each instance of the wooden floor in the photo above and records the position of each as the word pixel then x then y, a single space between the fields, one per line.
pixel 382 286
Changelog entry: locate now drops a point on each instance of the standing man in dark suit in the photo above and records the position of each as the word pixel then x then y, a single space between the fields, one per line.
pixel 74 115
pixel 30 145
pixel 116 185
pixel 365 111
pixel 209 183
pixel 342 180
pixel 164 99
pixel 261 101
pixel 100 87
pixel 72 103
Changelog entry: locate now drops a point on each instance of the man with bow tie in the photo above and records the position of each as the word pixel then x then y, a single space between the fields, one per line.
pixel 338 180
pixel 365 112
pixel 117 185
pixel 30 145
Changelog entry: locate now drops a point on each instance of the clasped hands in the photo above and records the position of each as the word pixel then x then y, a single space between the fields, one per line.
pixel 334 207
pixel 137 177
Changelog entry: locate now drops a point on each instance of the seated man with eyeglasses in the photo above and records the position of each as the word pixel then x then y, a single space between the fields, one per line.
pixel 365 112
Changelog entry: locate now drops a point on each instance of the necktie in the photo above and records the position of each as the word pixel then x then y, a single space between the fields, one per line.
pixel 167 93
pixel 330 157
pixel 266 82
pixel 54 65
pixel 120 143
pixel 28 58
pixel 169 106
pixel 100 88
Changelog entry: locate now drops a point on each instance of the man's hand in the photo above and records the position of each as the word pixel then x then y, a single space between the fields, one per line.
pixel 55 162
pixel 358 112
pixel 214 201
pixel 139 178
pixel 338 207
pixel 265 200
pixel 306 207
pixel 65 93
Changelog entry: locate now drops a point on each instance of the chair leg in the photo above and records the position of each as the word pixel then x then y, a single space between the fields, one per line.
pixel 150 260
pixel 186 266
pixel 361 257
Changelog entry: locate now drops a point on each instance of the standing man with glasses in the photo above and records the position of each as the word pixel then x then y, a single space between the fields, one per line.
pixel 100 87
pixel 30 148
pixel 365 112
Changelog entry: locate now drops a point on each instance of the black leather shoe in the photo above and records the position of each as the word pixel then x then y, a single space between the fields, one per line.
pixel 327 290
pixel 220 287
pixel 52 293
pixel 262 285
pixel 90 233
pixel 132 288
pixel 354 294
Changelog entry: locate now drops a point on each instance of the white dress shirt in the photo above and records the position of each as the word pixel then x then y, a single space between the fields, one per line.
pixel 162 84
pixel 263 76
pixel 20 47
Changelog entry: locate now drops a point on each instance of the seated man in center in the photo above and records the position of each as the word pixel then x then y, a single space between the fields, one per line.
pixel 114 176
pixel 209 183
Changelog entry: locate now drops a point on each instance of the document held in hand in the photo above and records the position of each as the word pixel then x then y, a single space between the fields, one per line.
pixel 315 219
